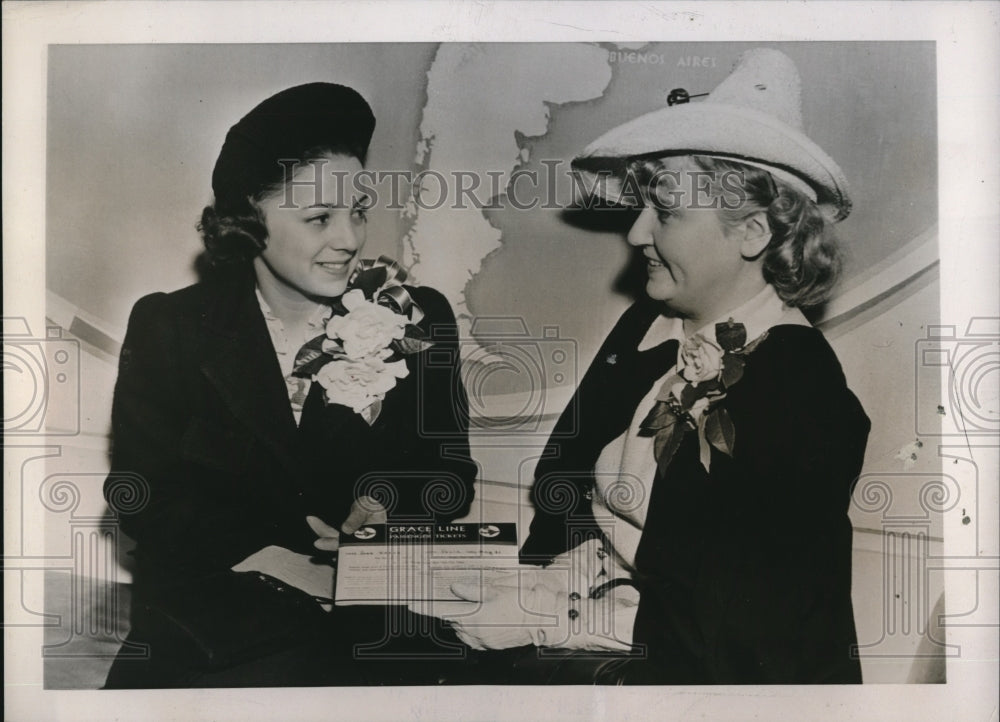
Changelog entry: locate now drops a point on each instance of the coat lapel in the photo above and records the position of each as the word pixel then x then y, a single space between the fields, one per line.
pixel 240 362
pixel 627 376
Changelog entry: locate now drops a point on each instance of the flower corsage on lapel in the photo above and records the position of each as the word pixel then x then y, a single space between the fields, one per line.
pixel 373 326
pixel 691 399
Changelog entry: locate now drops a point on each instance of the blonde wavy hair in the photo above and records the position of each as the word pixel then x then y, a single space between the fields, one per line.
pixel 803 260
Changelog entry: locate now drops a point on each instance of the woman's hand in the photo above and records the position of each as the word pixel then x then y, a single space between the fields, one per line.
pixel 364 510
pixel 499 622
pixel 541 615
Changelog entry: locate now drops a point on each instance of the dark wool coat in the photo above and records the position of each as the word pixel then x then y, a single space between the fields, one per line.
pixel 203 432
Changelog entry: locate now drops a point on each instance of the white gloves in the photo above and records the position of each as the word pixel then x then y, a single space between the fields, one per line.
pixel 551 607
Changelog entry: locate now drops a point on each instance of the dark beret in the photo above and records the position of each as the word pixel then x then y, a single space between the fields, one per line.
pixel 285 126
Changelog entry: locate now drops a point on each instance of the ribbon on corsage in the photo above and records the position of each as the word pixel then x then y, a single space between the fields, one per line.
pixel 373 326
pixel 691 399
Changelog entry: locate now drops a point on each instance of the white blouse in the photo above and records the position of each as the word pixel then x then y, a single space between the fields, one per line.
pixel 298 388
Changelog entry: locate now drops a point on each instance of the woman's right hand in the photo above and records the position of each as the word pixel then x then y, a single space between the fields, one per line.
pixel 364 510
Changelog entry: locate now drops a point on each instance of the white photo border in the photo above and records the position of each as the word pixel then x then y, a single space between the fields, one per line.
pixel 968 85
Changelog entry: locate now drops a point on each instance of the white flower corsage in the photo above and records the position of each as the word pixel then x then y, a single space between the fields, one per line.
pixel 360 357
pixel 691 399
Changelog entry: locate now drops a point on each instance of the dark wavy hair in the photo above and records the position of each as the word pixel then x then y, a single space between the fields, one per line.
pixel 234 229
pixel 803 260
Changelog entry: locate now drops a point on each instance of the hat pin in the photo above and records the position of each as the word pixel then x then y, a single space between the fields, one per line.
pixel 679 96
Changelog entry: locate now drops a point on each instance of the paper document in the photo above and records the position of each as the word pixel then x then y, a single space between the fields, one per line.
pixel 404 563
pixel 307 573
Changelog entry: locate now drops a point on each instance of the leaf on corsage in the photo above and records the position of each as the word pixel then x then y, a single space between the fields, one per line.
pixel 371 413
pixel 689 394
pixel 311 358
pixel 414 340
pixel 730 335
pixel 659 417
pixel 407 346
pixel 732 369
pixel 719 431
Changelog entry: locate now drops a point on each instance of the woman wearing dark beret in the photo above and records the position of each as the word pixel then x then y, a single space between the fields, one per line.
pixel 694 529
pixel 285 398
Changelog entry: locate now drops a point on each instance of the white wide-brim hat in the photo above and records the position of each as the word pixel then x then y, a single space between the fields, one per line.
pixel 753 116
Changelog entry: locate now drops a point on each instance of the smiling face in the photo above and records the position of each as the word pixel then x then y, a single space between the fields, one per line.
pixel 694 261
pixel 315 231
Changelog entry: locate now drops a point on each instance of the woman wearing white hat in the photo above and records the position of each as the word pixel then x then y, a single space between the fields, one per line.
pixel 696 529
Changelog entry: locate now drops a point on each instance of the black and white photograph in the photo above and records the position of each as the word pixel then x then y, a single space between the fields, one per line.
pixel 442 362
